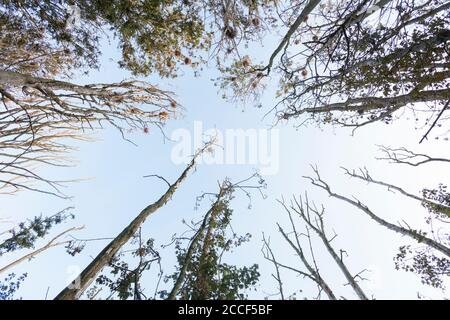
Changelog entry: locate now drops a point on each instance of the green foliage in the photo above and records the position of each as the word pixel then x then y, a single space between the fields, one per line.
pixel 10 285
pixel 29 51
pixel 25 235
pixel 423 261
pixel 151 33
pixel 207 276
pixel 48 20
pixel 122 280
pixel 154 35
pixel 439 201
pixel 431 268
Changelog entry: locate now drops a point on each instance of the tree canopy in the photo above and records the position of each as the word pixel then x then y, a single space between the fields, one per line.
pixel 330 63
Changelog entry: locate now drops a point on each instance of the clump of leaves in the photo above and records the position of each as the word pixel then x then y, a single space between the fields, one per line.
pixel 10 285
pixel 206 275
pixel 431 268
pixel 424 261
pixel 123 280
pixel 437 201
pixel 25 235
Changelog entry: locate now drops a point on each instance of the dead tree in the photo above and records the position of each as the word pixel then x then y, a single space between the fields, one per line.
pixel 313 217
pixel 42 109
pixel 429 260
pixel 312 269
pixel 364 176
pixel 76 288
pixel 404 156
pixel 408 232
pixel 38 115
pixel 270 256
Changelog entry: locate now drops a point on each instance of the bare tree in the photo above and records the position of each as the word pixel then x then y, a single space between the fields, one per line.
pixel 312 269
pixel 404 156
pixel 75 289
pixel 411 233
pixel 423 260
pixel 270 256
pixel 431 259
pixel 313 217
pixel 42 109
pixel 40 114
pixel 364 175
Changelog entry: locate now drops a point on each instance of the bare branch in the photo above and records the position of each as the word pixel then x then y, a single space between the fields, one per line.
pixel 425 136
pixel 52 243
pixel 104 257
pixel 312 271
pixel 316 223
pixel 269 255
pixel 405 156
pixel 365 177
pixel 413 234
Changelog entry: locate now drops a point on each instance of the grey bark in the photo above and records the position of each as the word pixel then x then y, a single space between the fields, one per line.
pixel 403 231
pixel 88 275
pixel 320 231
pixel 301 17
pixel 369 179
pixel 15 79
pixel 192 247
pixel 314 274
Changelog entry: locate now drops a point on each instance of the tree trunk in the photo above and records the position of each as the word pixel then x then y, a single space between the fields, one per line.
pixel 86 277
pixel 314 274
pixel 351 280
pixel 15 79
pixel 190 251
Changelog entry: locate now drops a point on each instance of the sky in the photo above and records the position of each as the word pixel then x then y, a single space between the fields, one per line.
pixel 112 191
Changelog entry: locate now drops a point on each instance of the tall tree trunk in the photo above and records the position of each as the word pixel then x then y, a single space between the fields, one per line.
pixel 193 246
pixel 86 277
pixel 319 229
pixel 314 274
pixel 351 280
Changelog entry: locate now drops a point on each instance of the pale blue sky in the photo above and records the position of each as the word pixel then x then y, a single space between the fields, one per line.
pixel 117 191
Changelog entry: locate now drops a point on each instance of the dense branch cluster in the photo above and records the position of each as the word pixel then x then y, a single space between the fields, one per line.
pixel 344 63
pixel 353 63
